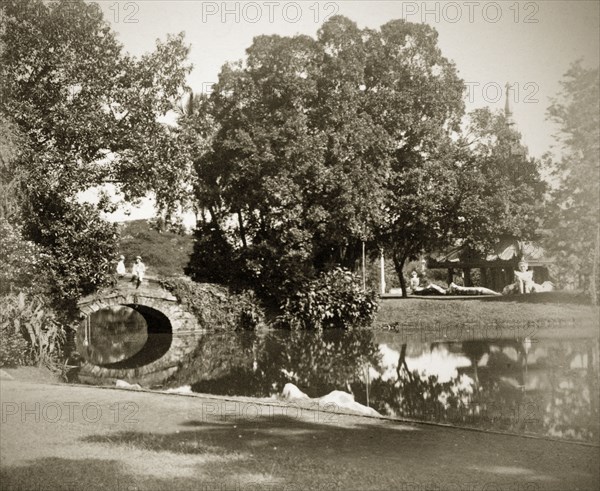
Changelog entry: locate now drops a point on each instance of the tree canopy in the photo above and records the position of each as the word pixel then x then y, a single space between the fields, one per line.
pixel 306 149
pixel 574 219
pixel 87 114
pixel 321 144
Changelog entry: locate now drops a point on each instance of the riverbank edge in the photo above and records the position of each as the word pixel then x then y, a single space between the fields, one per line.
pixel 301 405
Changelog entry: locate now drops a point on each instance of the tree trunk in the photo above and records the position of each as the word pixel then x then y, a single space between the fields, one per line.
pixel 468 280
pixel 485 281
pixel 399 266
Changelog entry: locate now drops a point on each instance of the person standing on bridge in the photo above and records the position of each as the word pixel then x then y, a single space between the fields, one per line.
pixel 138 271
pixel 121 267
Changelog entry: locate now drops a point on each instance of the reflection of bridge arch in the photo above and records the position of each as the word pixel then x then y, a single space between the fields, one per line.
pixel 167 320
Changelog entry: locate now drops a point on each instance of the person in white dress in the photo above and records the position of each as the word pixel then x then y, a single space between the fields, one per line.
pixel 121 267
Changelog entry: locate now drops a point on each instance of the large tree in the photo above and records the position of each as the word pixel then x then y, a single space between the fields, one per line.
pixel 88 114
pixel 353 137
pixel 416 95
pixel 575 218
pixel 316 141
pixel 503 188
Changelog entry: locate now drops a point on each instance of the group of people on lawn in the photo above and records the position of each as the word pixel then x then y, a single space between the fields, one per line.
pixel 138 270
pixel 523 283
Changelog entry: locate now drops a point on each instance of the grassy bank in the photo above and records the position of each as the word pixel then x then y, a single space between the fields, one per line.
pixel 509 312
pixel 143 440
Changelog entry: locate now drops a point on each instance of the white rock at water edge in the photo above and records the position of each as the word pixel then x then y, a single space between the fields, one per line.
pixel 338 399
pixel 121 384
pixel 290 391
pixel 184 389
pixel 343 400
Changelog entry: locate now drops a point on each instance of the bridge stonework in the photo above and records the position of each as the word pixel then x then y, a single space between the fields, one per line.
pixel 150 295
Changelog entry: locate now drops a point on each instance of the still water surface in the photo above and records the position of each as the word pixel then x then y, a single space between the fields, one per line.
pixel 111 335
pixel 545 387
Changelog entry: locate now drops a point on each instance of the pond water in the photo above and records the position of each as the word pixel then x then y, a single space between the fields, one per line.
pixel 111 335
pixel 545 387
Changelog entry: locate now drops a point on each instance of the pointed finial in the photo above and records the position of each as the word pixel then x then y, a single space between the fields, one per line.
pixel 507 110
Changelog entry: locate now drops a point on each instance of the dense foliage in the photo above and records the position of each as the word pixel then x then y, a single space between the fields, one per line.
pixel 30 332
pixel 85 114
pixel 11 141
pixel 76 112
pixel 215 307
pixel 21 261
pixel 80 246
pixel 503 188
pixel 323 144
pixel 335 299
pixel 575 222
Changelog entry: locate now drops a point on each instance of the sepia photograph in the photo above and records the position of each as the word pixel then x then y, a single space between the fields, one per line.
pixel 299 245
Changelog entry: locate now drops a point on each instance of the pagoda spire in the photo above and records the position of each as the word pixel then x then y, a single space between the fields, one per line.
pixel 507 109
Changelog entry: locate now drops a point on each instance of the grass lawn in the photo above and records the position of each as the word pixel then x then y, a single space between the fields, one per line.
pixel 518 313
pixel 159 441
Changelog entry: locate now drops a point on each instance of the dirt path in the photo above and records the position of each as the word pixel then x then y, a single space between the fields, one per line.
pixel 73 437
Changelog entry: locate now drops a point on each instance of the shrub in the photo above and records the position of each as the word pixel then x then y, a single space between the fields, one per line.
pixel 80 245
pixel 273 265
pixel 214 306
pixel 14 350
pixel 21 261
pixel 333 300
pixel 212 259
pixel 29 332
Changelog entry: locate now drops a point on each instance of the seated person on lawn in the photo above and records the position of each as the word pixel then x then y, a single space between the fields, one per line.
pixel 453 289
pixel 430 289
pixel 414 281
pixel 524 278
pixel 524 282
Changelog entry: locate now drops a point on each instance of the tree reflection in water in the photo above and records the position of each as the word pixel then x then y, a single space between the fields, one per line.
pixel 546 387
pixel 417 394
pixel 543 387
pixel 111 335
pixel 251 364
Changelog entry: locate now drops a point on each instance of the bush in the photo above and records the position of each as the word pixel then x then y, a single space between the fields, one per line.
pixel 274 265
pixel 14 350
pixel 29 332
pixel 334 300
pixel 21 261
pixel 212 258
pixel 81 245
pixel 214 306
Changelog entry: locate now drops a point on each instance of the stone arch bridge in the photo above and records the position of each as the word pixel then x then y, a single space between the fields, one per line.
pixel 172 333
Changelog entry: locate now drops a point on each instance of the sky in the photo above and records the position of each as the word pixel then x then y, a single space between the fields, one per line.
pixel 528 44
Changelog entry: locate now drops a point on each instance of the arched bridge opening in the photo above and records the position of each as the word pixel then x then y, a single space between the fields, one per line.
pixel 133 334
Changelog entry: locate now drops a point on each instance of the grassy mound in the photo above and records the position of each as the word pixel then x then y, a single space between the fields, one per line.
pixel 163 253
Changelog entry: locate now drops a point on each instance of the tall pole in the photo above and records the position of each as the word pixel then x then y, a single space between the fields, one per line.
pixel 364 265
pixel 382 273
pixel 368 382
